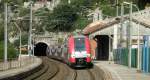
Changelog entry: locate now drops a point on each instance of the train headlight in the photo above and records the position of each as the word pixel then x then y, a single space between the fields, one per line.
pixel 88 55
pixel 72 55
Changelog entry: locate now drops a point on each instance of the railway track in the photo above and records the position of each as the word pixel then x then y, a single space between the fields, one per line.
pixel 87 74
pixel 83 75
pixel 48 71
pixel 56 70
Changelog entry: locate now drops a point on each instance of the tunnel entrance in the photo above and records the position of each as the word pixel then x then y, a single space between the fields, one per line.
pixel 102 47
pixel 40 49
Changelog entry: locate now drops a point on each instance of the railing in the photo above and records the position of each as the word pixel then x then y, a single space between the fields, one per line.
pixel 15 63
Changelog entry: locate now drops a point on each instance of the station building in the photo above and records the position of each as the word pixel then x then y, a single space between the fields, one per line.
pixel 123 40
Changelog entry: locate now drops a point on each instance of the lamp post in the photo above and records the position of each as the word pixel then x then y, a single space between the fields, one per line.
pixel 33 41
pixel 30 32
pixel 117 9
pixel 139 55
pixel 129 33
pixel 115 38
pixel 5 33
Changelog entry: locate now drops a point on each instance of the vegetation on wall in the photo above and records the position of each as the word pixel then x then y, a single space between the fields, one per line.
pixel 12 52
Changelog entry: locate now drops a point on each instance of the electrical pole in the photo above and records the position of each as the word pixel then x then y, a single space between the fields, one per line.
pixel 5 33
pixel 33 45
pixel 115 38
pixel 121 27
pixel 117 9
pixel 129 37
pixel 30 32
pixel 139 54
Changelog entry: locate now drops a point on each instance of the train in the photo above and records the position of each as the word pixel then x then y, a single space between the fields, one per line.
pixel 75 52
pixel 79 54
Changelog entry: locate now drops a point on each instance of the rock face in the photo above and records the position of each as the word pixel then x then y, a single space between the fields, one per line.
pixel 42 3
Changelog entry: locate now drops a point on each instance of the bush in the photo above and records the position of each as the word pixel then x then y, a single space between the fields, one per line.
pixel 1 50
pixel 24 40
pixel 12 52
pixel 1 32
pixel 60 40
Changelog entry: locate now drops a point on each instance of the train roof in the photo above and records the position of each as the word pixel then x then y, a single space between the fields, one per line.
pixel 79 36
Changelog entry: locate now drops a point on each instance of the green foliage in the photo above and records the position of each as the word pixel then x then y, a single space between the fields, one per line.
pixel 148 5
pixel 42 22
pixel 142 3
pixel 12 53
pixel 24 40
pixel 60 40
pixel 62 18
pixel 68 17
pixel 65 17
pixel 108 10
pixel 1 50
pixel 13 1
pixel 81 23
pixel 24 11
pixel 1 32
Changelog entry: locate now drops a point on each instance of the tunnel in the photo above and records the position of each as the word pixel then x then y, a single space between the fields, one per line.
pixel 40 49
pixel 102 47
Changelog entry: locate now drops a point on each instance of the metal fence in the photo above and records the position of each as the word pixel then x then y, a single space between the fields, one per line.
pixel 15 63
pixel 121 57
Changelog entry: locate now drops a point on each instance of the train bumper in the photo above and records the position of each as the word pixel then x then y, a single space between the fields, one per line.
pixel 81 62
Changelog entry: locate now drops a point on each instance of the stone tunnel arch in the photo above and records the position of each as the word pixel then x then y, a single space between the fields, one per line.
pixel 40 49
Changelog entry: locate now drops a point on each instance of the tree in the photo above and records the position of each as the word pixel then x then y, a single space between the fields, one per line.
pixel 42 19
pixel 24 40
pixel 1 32
pixel 62 18
pixel 12 53
pixel 67 17
pixel 142 3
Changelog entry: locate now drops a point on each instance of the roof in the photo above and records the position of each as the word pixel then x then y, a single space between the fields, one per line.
pixel 98 25
pixel 79 36
pixel 142 17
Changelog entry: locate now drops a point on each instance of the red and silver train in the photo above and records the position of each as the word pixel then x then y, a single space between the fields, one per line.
pixel 76 52
pixel 79 53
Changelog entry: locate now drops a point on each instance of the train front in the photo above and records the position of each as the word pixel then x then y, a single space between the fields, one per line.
pixel 79 52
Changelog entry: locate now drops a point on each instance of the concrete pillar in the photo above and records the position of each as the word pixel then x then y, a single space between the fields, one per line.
pixel 115 38
pixel 110 49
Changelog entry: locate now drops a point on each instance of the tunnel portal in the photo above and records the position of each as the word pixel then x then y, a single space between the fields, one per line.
pixel 40 49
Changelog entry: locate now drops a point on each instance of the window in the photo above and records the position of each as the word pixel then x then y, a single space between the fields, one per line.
pixel 79 44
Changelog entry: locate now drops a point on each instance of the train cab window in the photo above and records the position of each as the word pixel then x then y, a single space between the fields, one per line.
pixel 79 44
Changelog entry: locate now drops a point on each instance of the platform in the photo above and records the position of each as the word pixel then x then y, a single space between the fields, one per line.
pixel 120 72
pixel 22 69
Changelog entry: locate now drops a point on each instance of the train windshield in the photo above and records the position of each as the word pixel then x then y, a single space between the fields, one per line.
pixel 79 44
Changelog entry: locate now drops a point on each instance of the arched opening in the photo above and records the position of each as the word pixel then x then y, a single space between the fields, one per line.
pixel 102 47
pixel 40 49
